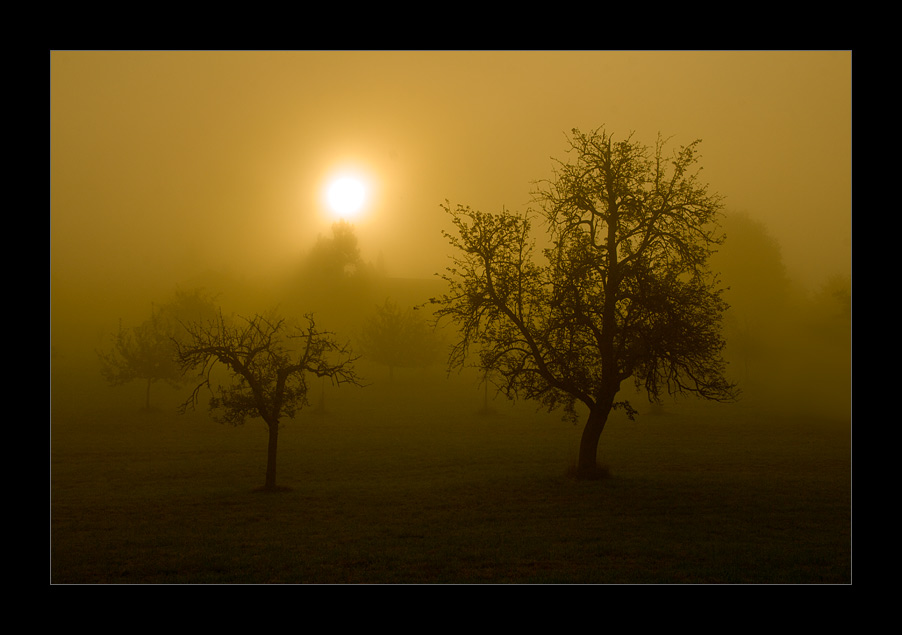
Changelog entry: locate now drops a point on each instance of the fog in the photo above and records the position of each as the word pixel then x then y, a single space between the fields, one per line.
pixel 207 169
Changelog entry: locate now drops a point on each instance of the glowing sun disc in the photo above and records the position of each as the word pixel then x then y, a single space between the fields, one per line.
pixel 346 196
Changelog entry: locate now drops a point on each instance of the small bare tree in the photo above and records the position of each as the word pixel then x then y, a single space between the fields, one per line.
pixel 269 361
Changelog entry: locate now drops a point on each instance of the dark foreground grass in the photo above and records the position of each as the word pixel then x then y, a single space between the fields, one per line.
pixel 379 492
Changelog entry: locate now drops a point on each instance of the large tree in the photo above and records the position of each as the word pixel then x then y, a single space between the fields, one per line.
pixel 268 362
pixel 623 290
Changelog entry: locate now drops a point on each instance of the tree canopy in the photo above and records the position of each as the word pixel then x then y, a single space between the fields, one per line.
pixel 622 289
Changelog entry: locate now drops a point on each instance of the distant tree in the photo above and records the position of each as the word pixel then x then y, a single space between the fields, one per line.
pixel 398 338
pixel 335 279
pixel 624 290
pixel 827 320
pixel 192 305
pixel 146 352
pixel 336 257
pixel 142 353
pixel 834 297
pixel 759 294
pixel 268 363
pixel 752 266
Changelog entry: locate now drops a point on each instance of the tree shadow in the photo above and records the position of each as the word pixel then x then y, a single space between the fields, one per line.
pixel 596 473
pixel 276 489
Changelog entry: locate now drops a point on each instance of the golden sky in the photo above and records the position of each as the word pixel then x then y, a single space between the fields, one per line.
pixel 167 163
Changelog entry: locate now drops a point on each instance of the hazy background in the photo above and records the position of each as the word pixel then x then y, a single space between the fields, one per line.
pixel 175 169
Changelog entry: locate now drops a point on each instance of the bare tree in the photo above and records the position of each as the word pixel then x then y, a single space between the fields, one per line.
pixel 268 362
pixel 624 290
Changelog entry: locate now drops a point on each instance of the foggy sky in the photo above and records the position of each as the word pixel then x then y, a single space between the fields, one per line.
pixel 167 164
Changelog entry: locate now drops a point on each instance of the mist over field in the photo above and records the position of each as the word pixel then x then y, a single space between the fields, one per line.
pixel 182 172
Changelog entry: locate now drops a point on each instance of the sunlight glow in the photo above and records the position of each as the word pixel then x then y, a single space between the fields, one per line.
pixel 346 196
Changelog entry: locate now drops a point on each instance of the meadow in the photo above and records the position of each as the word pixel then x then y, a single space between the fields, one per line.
pixel 410 483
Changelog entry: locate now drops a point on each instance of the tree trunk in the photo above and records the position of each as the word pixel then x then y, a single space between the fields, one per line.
pixel 271 455
pixel 587 466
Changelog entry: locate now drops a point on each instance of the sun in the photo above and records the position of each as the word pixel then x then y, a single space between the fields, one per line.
pixel 346 196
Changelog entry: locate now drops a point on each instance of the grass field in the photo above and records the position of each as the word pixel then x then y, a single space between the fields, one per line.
pixel 412 486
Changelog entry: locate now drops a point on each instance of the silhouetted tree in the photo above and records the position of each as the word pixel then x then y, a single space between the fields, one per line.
pixel 146 352
pixel 398 339
pixel 268 361
pixel 624 290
